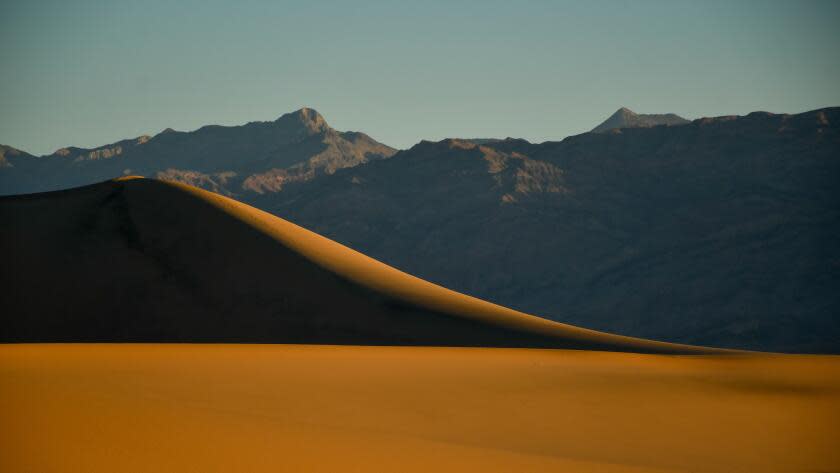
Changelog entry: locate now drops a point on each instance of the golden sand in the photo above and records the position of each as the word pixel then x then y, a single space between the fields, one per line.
pixel 133 408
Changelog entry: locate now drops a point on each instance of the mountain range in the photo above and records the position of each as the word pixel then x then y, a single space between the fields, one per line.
pixel 258 157
pixel 723 231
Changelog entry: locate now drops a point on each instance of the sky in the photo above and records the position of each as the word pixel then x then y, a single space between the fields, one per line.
pixel 87 73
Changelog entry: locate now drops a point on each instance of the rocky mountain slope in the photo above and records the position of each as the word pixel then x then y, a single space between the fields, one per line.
pixel 723 232
pixel 259 157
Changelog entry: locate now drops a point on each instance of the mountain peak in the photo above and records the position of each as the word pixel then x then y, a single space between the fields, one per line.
pixel 9 149
pixel 7 152
pixel 308 117
pixel 626 118
pixel 309 113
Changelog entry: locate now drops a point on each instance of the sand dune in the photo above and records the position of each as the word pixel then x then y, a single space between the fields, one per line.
pixel 254 408
pixel 144 260
pixel 139 260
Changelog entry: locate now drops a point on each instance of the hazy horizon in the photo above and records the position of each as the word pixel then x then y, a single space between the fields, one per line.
pixel 90 73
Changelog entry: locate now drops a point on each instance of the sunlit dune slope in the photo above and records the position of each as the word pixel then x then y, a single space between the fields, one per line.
pixel 289 408
pixel 143 260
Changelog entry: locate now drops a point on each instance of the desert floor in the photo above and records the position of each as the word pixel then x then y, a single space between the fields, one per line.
pixel 148 407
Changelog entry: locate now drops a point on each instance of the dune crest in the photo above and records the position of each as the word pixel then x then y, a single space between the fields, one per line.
pixel 142 260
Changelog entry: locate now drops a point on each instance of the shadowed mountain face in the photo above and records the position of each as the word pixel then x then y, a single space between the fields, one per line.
pixel 9 154
pixel 137 260
pixel 723 232
pixel 626 118
pixel 259 157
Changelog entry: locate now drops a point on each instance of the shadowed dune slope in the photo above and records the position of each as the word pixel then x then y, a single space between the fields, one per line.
pixel 150 261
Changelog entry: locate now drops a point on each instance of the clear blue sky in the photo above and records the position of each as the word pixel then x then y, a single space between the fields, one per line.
pixel 87 73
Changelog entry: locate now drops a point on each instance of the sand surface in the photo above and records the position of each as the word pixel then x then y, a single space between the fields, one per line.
pixel 127 408
pixel 141 260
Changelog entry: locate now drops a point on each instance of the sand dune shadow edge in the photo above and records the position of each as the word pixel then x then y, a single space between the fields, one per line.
pixel 142 260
